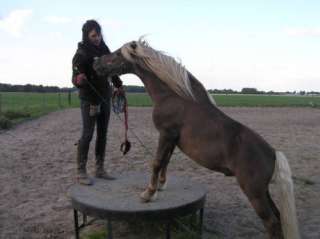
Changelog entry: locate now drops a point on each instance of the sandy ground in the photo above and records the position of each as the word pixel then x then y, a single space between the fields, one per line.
pixel 37 166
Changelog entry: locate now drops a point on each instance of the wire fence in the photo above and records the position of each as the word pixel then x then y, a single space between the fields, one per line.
pixel 35 104
pixel 17 106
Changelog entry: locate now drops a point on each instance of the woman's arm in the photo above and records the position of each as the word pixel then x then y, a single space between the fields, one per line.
pixel 79 62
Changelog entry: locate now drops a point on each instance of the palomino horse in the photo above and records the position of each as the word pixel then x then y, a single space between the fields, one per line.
pixel 187 117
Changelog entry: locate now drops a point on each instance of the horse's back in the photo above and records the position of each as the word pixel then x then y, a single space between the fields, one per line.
pixel 220 143
pixel 205 136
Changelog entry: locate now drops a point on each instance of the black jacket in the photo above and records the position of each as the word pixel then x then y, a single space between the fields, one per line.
pixel 82 63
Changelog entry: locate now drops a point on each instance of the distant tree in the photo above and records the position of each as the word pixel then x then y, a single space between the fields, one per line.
pixel 31 88
pixel 28 88
pixel 224 91
pixel 270 92
pixel 313 93
pixel 53 89
pixel 135 89
pixel 40 89
pixel 249 91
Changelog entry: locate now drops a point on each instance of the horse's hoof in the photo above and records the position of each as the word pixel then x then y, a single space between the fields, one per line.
pixel 162 186
pixel 146 196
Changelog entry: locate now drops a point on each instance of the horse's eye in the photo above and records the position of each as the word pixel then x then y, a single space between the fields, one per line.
pixel 133 45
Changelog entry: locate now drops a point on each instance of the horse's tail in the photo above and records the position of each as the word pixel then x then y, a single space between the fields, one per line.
pixel 284 186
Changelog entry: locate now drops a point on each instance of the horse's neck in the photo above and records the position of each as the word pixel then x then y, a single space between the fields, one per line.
pixel 200 93
pixel 157 90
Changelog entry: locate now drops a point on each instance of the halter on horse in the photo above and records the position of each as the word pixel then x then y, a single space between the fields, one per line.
pixel 187 117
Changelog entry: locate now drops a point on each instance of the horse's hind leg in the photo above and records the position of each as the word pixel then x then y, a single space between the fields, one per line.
pixel 259 199
pixel 265 212
pixel 165 148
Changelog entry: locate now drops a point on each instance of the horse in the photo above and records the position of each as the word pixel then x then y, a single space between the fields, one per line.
pixel 187 117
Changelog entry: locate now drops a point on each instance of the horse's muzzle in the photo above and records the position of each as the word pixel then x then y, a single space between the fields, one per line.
pixel 97 66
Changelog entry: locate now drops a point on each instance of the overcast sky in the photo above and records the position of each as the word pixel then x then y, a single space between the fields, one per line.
pixel 269 45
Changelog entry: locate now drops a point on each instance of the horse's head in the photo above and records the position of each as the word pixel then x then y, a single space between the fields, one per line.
pixel 116 63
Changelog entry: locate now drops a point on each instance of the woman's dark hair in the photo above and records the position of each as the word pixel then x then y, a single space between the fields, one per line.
pixel 88 27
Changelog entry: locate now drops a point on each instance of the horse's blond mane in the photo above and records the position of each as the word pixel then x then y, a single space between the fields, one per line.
pixel 165 67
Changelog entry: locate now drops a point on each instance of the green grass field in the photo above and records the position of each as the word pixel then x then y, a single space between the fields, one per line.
pixel 36 103
pixel 243 100
pixel 18 106
pixel 267 101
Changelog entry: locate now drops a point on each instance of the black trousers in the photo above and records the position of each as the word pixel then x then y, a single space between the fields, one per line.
pixel 89 121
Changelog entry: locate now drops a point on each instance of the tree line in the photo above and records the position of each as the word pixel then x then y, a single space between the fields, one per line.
pixel 32 88
pixel 254 91
pixel 54 89
pixel 141 89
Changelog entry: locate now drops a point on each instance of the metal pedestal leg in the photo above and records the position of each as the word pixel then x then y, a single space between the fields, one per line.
pixel 201 222
pixel 84 219
pixel 168 230
pixel 109 228
pixel 109 225
pixel 76 224
pixel 193 218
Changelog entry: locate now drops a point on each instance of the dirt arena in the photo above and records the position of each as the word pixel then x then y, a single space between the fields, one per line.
pixel 37 166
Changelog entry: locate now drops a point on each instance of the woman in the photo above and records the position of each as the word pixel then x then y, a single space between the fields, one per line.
pixel 94 94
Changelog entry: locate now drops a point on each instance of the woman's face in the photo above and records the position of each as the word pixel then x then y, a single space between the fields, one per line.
pixel 95 38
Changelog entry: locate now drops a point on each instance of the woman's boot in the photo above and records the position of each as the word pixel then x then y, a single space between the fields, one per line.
pixel 82 159
pixel 100 172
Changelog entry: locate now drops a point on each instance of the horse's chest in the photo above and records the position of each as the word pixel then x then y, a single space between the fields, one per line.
pixel 166 121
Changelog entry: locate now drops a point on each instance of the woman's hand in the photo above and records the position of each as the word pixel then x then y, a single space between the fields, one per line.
pixel 80 80
pixel 120 90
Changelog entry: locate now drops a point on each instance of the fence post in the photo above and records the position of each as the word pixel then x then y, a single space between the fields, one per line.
pixel 59 99
pixel 0 104
pixel 69 97
pixel 25 104
pixel 43 100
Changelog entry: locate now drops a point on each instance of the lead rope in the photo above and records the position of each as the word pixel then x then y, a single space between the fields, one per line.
pixel 132 132
pixel 120 105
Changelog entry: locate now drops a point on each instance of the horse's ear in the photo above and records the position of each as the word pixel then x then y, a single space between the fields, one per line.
pixel 133 45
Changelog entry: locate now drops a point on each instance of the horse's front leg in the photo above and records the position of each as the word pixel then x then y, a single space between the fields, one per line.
pixel 166 146
pixel 163 173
